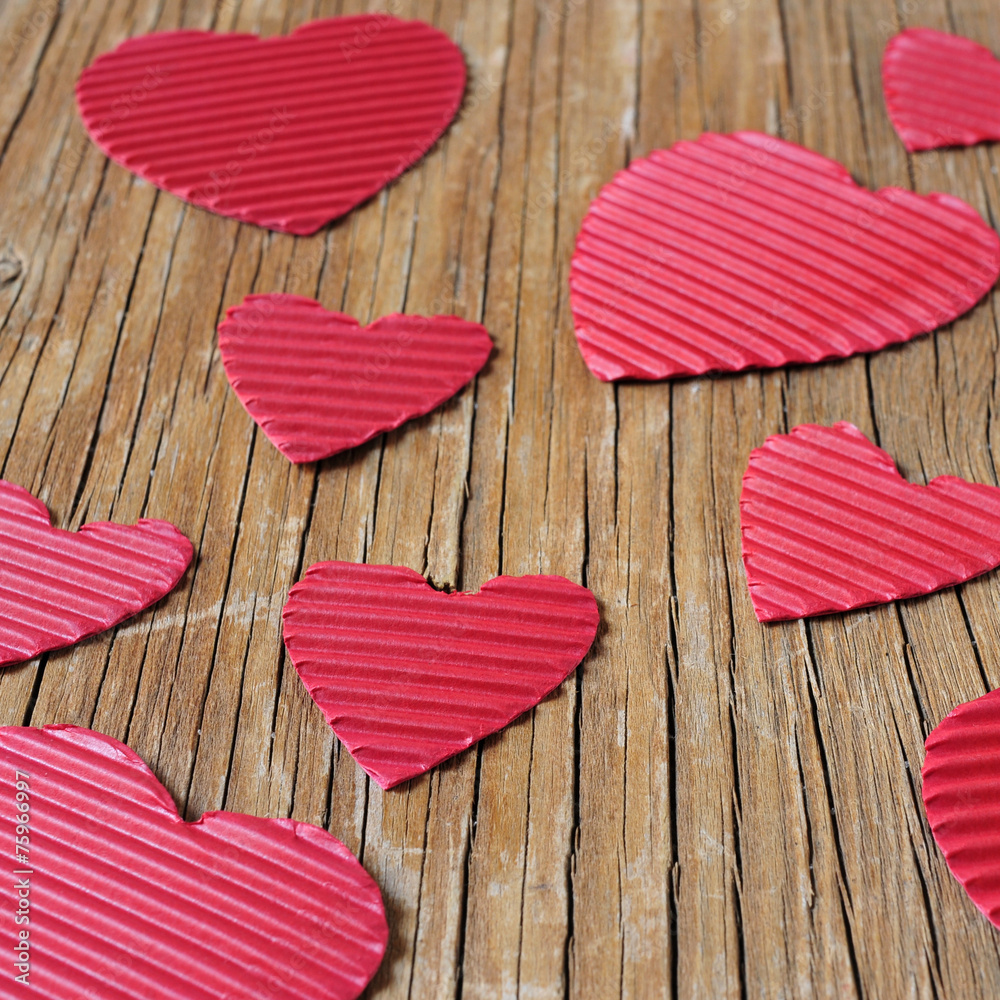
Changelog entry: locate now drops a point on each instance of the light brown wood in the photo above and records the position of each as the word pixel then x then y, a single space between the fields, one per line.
pixel 707 808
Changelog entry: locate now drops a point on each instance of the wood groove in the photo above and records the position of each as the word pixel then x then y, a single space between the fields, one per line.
pixel 708 807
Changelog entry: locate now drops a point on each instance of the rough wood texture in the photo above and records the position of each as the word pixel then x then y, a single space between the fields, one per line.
pixel 709 808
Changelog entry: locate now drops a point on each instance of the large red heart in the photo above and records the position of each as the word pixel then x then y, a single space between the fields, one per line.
pixel 288 133
pixel 58 587
pixel 744 251
pixel 408 676
pixel 114 896
pixel 829 524
pixel 317 382
pixel 941 90
pixel 962 797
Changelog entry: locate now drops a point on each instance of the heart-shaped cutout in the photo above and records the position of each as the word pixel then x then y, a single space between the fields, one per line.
pixel 317 382
pixel 408 676
pixel 941 90
pixel 121 898
pixel 58 587
pixel 829 525
pixel 289 133
pixel 744 251
pixel 962 798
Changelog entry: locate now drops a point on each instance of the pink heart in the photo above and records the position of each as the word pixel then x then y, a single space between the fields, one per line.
pixel 317 382
pixel 829 524
pixel 744 251
pixel 58 587
pixel 408 676
pixel 962 798
pixel 288 133
pixel 122 899
pixel 941 90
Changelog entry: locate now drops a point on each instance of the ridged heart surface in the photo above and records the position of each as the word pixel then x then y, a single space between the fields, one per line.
pixel 408 676
pixel 318 383
pixel 289 132
pixel 829 525
pixel 962 796
pixel 941 90
pixel 744 251
pixel 120 898
pixel 58 587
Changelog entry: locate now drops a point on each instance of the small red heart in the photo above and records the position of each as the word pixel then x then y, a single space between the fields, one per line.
pixel 123 899
pixel 744 251
pixel 317 382
pixel 829 524
pixel 962 798
pixel 941 90
pixel 408 676
pixel 289 133
pixel 58 587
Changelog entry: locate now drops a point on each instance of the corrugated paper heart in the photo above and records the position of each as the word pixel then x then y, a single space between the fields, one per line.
pixel 288 133
pixel 318 383
pixel 743 251
pixel 829 525
pixel 408 676
pixel 116 897
pixel 962 796
pixel 58 587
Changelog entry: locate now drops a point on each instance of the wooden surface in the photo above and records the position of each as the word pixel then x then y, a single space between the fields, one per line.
pixel 708 808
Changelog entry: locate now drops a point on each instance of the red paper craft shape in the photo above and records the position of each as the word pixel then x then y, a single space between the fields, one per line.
pixel 962 798
pixel 743 251
pixel 123 899
pixel 58 587
pixel 408 676
pixel 289 133
pixel 941 90
pixel 317 382
pixel 829 524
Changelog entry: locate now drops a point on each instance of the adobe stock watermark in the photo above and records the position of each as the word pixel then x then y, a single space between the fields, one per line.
pixel 125 103
pixel 256 315
pixel 583 159
pixel 759 158
pixel 709 32
pixel 247 151
pixel 122 108
pixel 905 10
pixel 21 876
pixel 373 27
pixel 655 269
pixel 556 13
pixel 43 12
pixel 307 953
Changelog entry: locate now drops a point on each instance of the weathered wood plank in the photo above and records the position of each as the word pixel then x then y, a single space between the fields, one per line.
pixel 708 808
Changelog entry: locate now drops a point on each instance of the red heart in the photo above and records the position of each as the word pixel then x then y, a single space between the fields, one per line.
pixel 288 133
pixel 941 90
pixel 408 676
pixel 123 899
pixel 962 797
pixel 743 251
pixel 829 525
pixel 58 587
pixel 317 382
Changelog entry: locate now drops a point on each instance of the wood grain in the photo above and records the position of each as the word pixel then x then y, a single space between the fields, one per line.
pixel 709 808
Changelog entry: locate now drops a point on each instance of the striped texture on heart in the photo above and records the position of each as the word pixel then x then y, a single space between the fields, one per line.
pixel 129 901
pixel 941 90
pixel 317 382
pixel 408 676
pixel 58 587
pixel 829 524
pixel 962 797
pixel 289 133
pixel 744 251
